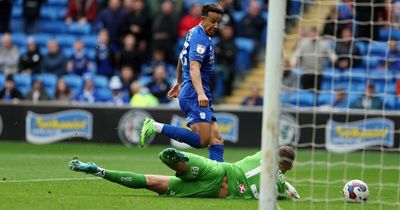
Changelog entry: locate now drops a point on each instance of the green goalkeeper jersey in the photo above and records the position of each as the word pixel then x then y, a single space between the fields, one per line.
pixel 244 178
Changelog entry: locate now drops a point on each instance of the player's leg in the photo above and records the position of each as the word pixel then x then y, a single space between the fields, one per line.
pixel 156 183
pixel 198 119
pixel 216 148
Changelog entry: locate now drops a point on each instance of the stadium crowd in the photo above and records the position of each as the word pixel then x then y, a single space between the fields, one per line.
pixel 352 62
pixel 116 51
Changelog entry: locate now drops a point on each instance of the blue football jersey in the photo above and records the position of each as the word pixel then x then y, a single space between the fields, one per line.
pixel 197 47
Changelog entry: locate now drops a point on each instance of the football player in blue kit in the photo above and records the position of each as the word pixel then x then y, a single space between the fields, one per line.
pixel 193 89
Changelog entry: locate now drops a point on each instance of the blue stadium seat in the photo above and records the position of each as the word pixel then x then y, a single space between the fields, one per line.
pixel 66 40
pixel 302 99
pixel 331 75
pixel 52 27
pixel 389 102
pixel 49 12
pixel 90 41
pixel 245 48
pixel 49 82
pixel 386 34
pixel 23 82
pixel 362 47
pixel 2 80
pixel 144 80
pixel 91 53
pixel 16 25
pixel 41 39
pixel 381 77
pixel 238 16
pixel 386 88
pixel 296 7
pixel 325 98
pixel 16 12
pixel 105 94
pixel 371 62
pixel 74 82
pixel 78 29
pixel 68 51
pixel 100 81
pixel 378 48
pixel 19 39
pixel 57 2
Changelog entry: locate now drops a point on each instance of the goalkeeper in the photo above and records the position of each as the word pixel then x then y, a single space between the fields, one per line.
pixel 200 177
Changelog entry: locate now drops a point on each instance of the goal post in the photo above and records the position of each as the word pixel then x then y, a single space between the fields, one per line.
pixel 271 107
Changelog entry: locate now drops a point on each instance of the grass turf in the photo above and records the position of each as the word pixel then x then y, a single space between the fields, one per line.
pixel 36 177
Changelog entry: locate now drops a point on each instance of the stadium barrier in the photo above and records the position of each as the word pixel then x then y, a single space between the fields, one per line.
pixel 43 123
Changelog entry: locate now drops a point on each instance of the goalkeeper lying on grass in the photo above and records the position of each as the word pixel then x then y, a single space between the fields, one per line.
pixel 200 177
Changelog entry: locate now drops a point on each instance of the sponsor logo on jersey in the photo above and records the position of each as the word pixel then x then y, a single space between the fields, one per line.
pixel 242 188
pixel 129 127
pixel 201 49
pixel 351 136
pixel 53 127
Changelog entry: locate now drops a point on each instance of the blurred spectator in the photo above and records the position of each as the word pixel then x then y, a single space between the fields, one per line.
pixel 227 17
pixel 9 55
pixel 130 55
pixel 255 98
pixel 290 80
pixel 105 57
pixel 141 96
pixel 159 86
pixel 158 59
pixel 310 56
pixel 31 13
pixel 37 93
pixel 82 11
pixel 78 62
pixel 137 22
pixel 127 77
pixel 164 30
pixel 62 91
pixel 29 62
pixel 190 20
pixel 55 61
pixel 110 18
pixel 395 12
pixel 391 59
pixel 333 27
pixel 339 100
pixel 225 55
pixel 10 92
pixel 345 10
pixel 5 14
pixel 369 100
pixel 252 24
pixel 156 6
pixel 118 98
pixel 367 15
pixel 348 54
pixel 88 94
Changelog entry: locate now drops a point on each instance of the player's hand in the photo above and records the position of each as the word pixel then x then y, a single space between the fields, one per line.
pixel 203 100
pixel 174 91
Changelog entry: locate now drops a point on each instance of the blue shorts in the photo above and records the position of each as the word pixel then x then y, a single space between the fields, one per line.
pixel 194 113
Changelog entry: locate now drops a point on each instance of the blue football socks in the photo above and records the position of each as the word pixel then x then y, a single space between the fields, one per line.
pixel 182 135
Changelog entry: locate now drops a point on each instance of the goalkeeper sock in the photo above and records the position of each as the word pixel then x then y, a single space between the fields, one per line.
pixel 128 179
pixel 216 152
pixel 182 135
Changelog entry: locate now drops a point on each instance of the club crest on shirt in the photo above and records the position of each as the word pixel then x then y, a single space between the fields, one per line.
pixel 242 188
pixel 201 49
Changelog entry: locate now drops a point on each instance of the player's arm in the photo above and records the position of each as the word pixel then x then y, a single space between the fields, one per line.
pixel 174 91
pixel 196 81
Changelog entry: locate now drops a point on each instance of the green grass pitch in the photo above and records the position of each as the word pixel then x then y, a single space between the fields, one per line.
pixel 36 177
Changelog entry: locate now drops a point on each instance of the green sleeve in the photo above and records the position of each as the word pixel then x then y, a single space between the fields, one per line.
pixel 282 192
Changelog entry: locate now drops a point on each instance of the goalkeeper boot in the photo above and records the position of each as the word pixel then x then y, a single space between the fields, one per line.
pixel 172 156
pixel 147 132
pixel 89 167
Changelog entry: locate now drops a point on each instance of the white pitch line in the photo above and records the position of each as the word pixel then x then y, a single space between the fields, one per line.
pixel 49 180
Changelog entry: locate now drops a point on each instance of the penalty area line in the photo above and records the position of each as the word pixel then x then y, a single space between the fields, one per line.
pixel 49 180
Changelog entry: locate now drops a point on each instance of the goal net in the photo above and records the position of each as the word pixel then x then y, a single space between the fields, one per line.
pixel 339 100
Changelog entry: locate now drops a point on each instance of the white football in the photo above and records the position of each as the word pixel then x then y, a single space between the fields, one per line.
pixel 355 191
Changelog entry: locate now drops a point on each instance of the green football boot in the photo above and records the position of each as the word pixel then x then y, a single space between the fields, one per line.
pixel 147 132
pixel 172 156
pixel 89 167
